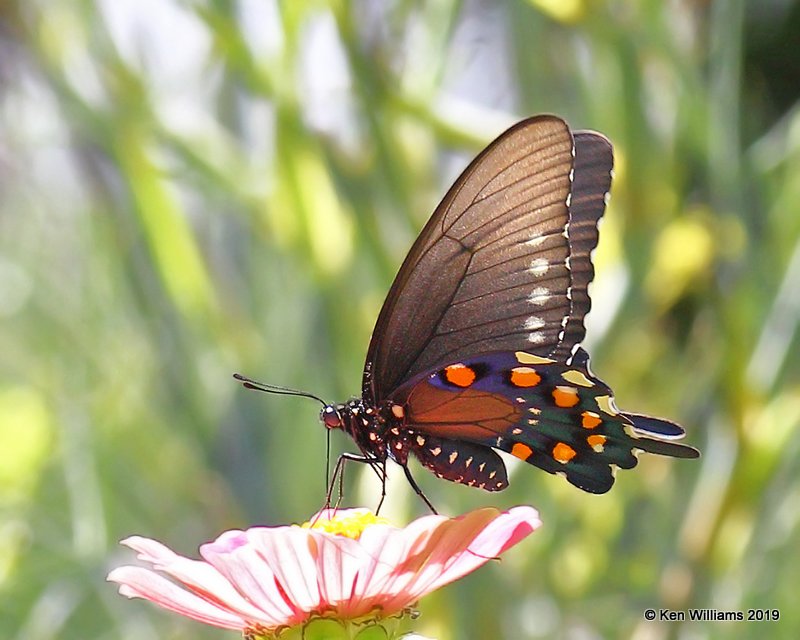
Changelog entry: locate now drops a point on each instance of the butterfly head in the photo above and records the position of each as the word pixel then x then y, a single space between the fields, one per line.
pixel 357 419
pixel 331 416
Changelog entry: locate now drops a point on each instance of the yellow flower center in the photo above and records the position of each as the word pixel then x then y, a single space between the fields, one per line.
pixel 350 523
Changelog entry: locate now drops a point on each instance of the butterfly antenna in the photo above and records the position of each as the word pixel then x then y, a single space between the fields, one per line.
pixel 249 383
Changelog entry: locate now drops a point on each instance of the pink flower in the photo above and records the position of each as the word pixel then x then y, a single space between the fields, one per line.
pixel 346 565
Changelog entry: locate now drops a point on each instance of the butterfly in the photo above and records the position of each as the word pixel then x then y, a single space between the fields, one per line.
pixel 478 345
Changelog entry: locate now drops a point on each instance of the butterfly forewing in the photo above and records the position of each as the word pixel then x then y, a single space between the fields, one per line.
pixel 490 269
pixel 594 161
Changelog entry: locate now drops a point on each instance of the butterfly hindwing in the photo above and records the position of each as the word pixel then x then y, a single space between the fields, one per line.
pixel 557 417
pixel 461 462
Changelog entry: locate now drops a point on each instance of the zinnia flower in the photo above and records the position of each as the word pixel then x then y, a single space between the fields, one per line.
pixel 346 566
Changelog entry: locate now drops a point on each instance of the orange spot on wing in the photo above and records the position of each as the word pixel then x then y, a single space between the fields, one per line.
pixel 596 442
pixel 460 375
pixel 565 396
pixel 524 377
pixel 521 451
pixel 590 420
pixel 563 453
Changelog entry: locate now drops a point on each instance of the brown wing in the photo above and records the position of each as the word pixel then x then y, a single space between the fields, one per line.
pixel 594 160
pixel 489 272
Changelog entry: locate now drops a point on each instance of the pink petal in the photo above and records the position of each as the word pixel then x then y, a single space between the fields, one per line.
pixel 136 582
pixel 338 563
pixel 446 549
pixel 434 551
pixel 502 533
pixel 201 578
pixel 250 575
pixel 291 553
pixel 389 548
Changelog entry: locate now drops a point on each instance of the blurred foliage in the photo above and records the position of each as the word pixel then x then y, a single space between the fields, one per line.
pixel 190 188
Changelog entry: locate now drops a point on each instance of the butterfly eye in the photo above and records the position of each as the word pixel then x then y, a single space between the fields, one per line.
pixel 331 418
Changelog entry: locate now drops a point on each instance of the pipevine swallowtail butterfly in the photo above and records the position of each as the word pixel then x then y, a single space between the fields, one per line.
pixel 477 346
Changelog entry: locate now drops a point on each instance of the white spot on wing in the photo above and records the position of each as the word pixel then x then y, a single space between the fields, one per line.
pixel 572 353
pixel 539 296
pixel 534 322
pixel 535 337
pixel 536 241
pixel 539 266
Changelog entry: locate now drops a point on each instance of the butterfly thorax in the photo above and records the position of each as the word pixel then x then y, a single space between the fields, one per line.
pixel 379 432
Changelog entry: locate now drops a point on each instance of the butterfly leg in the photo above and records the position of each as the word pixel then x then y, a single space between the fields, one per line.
pixel 417 490
pixel 382 473
pixel 338 474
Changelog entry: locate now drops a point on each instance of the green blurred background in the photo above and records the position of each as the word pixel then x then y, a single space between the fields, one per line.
pixel 190 188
